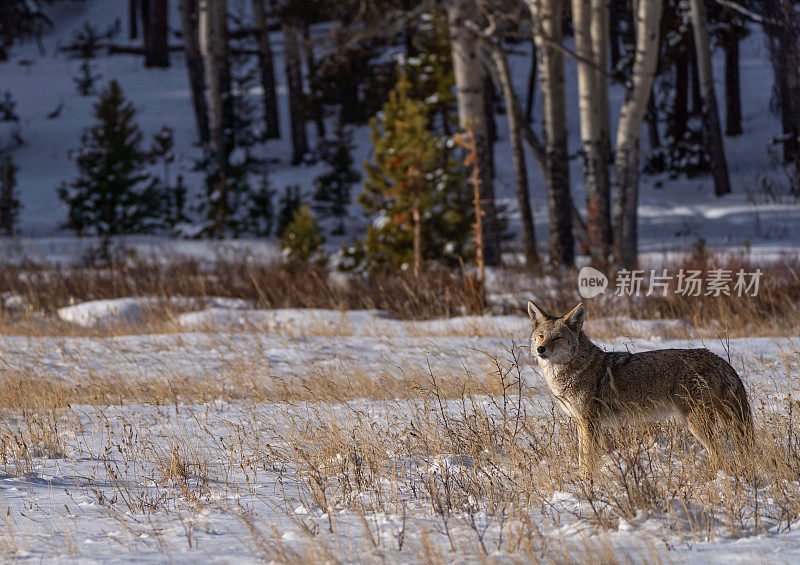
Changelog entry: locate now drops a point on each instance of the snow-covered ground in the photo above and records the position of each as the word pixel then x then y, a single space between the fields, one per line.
pixel 674 213
pixel 237 478
pixel 239 434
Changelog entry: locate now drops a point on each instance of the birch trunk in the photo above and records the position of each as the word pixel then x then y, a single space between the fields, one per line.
pixel 267 71
pixel 592 94
pixel 294 79
pixel 517 153
pixel 194 65
pixel 626 183
pixel 470 96
pixel 214 46
pixel 711 123
pixel 547 30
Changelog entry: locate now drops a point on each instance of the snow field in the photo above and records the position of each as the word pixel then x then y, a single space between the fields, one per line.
pixel 365 443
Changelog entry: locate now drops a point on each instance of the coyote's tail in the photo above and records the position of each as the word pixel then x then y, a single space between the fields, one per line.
pixel 742 415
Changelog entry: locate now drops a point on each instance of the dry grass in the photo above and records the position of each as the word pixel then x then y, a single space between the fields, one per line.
pixel 425 464
pixel 427 467
pixel 438 294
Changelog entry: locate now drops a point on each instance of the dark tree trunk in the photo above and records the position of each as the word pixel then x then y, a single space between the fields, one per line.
pixel 266 65
pixel 531 85
pixel 194 65
pixel 785 55
pixel 517 155
pixel 157 48
pixel 712 129
pixel 311 68
pixel 133 19
pixel 733 96
pixel 680 113
pixel 614 34
pixel 652 122
pixel 491 122
pixel 294 79
pixel 490 103
pixel 144 13
pixel 697 97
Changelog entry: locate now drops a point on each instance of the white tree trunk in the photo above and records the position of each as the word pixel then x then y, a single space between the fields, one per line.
pixel 470 96
pixel 214 48
pixel 194 64
pixel 589 18
pixel 711 123
pixel 626 185
pixel 547 32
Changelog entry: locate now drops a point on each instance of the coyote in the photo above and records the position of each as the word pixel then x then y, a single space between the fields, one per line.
pixel 596 387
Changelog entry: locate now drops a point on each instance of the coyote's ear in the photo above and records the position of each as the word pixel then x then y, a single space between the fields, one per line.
pixel 574 319
pixel 537 314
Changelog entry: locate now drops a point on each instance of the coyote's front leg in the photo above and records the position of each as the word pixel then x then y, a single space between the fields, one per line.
pixel 588 442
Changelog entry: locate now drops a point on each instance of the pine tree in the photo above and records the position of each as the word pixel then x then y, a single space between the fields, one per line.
pixel 8 108
pixel 261 210
pixel 85 44
pixel 86 79
pixel 113 194
pixel 422 203
pixel 303 237
pixel 430 71
pixel 228 191
pixel 288 204
pixel 9 199
pixel 162 151
pixel 178 212
pixel 333 187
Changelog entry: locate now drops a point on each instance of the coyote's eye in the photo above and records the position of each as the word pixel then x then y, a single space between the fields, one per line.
pixel 541 336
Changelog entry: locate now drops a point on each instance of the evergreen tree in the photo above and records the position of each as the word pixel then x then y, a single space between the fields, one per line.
pixel 261 211
pixel 113 194
pixel 20 19
pixel 227 194
pixel 417 190
pixel 303 237
pixel 85 44
pixel 8 108
pixel 333 187
pixel 288 204
pixel 9 199
pixel 430 71
pixel 178 213
pixel 162 151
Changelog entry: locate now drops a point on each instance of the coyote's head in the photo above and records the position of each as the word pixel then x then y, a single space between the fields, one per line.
pixel 555 339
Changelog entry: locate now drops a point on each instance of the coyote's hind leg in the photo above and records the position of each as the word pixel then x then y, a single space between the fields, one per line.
pixel 702 427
